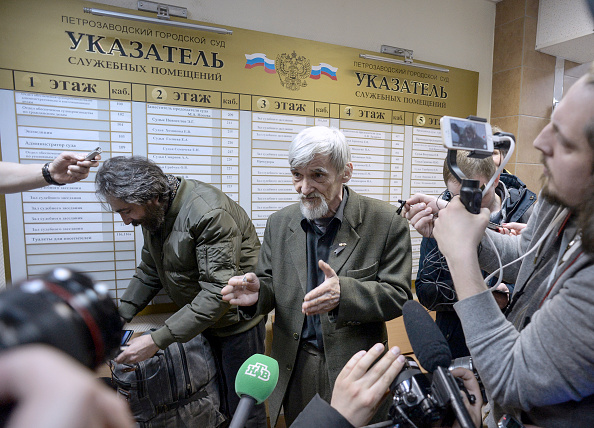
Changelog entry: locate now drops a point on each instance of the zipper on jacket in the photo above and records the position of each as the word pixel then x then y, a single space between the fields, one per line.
pixel 184 361
pixel 206 271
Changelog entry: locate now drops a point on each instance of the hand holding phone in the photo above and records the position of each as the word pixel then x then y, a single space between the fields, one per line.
pixel 91 155
pixel 126 335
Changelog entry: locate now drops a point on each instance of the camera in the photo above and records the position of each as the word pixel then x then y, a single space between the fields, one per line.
pixel 420 399
pixel 473 134
pixel 468 364
pixel 508 421
pixel 64 309
pixel 412 403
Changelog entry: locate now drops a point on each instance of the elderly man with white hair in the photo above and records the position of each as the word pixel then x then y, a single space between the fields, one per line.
pixel 335 267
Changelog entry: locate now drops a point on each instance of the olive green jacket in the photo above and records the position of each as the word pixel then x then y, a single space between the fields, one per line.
pixel 206 239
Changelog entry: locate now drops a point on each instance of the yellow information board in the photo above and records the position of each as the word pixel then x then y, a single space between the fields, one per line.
pixel 218 108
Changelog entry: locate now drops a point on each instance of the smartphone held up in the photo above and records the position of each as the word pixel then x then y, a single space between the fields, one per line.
pixel 466 134
pixel 91 155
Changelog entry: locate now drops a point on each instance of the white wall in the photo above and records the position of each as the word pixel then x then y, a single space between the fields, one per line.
pixel 457 33
pixel 566 29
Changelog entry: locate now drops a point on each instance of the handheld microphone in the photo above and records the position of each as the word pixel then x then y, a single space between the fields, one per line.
pixel 433 352
pixel 255 381
pixel 429 345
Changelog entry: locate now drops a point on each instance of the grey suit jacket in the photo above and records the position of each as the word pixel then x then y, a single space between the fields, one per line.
pixel 374 269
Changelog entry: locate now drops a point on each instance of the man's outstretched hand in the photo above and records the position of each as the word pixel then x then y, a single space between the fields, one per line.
pixel 242 290
pixel 325 296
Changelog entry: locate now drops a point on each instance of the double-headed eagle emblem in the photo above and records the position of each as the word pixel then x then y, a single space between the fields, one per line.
pixel 293 70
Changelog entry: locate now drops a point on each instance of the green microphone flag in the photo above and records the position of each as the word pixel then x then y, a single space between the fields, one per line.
pixel 257 377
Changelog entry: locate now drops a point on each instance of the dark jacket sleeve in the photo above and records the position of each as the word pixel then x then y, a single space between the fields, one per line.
pixel 434 285
pixel 218 250
pixel 266 299
pixel 143 287
pixel 319 414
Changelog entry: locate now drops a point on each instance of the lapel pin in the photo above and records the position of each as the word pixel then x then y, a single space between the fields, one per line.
pixel 340 248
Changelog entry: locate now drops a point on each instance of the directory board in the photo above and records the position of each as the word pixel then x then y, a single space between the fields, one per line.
pixel 217 108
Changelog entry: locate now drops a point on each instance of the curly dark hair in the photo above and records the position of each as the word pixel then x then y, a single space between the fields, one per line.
pixel 134 180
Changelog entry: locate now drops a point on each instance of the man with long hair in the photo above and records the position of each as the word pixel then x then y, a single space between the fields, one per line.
pixel 538 361
pixel 195 239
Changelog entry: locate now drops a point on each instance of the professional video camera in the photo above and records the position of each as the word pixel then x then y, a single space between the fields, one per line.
pixel 421 399
pixel 64 309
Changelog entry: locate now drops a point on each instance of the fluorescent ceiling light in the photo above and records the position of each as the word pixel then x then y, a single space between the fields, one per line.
pixel 408 58
pixel 188 26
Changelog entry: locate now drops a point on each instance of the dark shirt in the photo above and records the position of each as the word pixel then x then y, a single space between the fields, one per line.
pixel 320 236
pixel 434 285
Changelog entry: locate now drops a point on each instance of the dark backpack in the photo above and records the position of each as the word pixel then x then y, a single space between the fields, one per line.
pixel 175 388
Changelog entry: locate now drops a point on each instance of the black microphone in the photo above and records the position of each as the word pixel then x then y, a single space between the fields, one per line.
pixel 429 345
pixel 433 352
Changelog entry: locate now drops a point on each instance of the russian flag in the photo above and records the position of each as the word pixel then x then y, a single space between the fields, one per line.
pixel 325 69
pixel 260 60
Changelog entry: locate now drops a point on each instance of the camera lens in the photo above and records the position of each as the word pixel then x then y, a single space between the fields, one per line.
pixel 64 309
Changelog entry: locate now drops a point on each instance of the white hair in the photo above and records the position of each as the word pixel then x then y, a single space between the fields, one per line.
pixel 320 140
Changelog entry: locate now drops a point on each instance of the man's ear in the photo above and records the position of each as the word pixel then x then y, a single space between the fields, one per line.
pixel 154 202
pixel 348 172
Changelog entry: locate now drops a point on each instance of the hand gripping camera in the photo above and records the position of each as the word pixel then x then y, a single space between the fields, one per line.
pixel 421 399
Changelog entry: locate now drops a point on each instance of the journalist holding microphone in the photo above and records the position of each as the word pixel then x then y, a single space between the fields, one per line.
pixel 537 360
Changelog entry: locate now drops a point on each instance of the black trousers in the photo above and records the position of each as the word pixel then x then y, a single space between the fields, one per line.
pixel 230 353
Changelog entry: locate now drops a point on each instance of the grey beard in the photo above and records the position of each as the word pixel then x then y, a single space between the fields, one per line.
pixel 314 213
